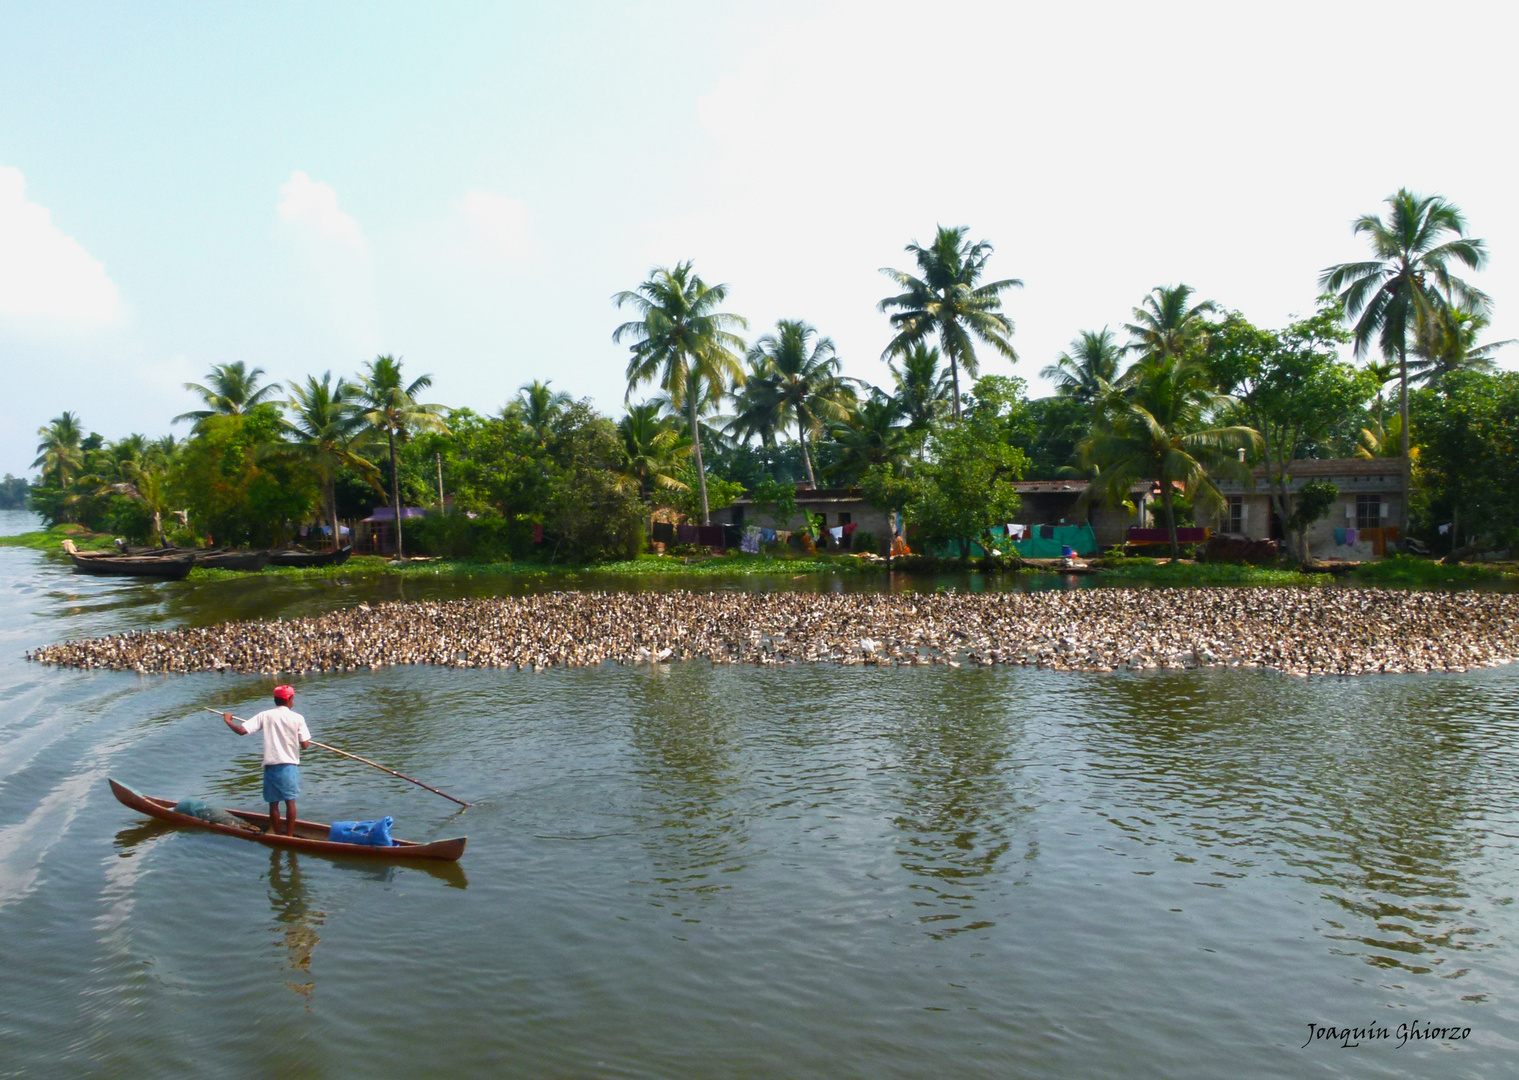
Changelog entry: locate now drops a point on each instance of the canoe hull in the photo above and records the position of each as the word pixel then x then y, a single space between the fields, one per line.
pixel 168 567
pixel 311 558
pixel 310 835
pixel 232 560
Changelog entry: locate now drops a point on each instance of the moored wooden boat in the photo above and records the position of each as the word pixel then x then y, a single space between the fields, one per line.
pixel 172 566
pixel 309 835
pixel 229 559
pixel 299 557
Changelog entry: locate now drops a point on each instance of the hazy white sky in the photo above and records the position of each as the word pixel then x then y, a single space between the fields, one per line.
pixel 301 187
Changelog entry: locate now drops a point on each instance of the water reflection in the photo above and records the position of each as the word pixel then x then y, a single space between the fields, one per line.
pixel 1375 808
pixel 684 744
pixel 960 815
pixel 296 919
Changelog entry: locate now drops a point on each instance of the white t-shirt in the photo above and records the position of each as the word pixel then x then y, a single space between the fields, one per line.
pixel 284 730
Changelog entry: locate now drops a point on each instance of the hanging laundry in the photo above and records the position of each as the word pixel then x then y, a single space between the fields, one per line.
pixel 1339 538
pixel 1445 529
pixel 850 528
pixel 1015 531
pixel 837 532
pixel 537 534
pixel 1046 532
pixel 1352 536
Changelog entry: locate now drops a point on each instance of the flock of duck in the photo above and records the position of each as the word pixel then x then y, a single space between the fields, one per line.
pixel 1294 631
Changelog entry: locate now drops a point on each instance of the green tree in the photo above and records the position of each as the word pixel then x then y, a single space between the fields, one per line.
pixel 1468 436
pixel 652 450
pixel 235 489
pixel 1091 362
pixel 922 390
pixel 233 390
pixel 758 408
pixel 681 339
pixel 389 405
pixel 539 409
pixel 965 486
pixel 944 298
pixel 1167 324
pixel 59 453
pixel 804 369
pixel 1447 342
pixel 325 431
pixel 1405 284
pixel 869 437
pixel 1160 427
pixel 1292 388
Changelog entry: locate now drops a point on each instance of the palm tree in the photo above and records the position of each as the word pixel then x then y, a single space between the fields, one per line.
pixel 538 409
pixel 59 453
pixel 1159 427
pixel 149 485
pixel 1448 343
pixel 389 404
pixel 758 411
pixel 870 436
pixel 651 447
pixel 1402 288
pixel 946 299
pixel 805 371
pixel 233 391
pixel 325 430
pixel 683 341
pixel 1092 360
pixel 1166 324
pixel 923 389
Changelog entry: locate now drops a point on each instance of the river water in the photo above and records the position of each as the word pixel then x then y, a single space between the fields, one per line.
pixel 742 872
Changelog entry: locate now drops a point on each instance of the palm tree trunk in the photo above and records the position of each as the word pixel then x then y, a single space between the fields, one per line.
pixel 954 375
pixel 1407 462
pixel 701 472
pixel 1166 501
pixel 332 512
pixel 801 435
pixel 395 487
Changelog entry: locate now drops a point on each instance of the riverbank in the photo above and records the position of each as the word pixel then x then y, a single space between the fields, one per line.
pixel 1294 631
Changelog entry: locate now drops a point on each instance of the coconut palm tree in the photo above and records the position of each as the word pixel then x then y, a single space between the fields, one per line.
pixel 1448 343
pixel 1092 360
pixel 758 411
pixel 870 436
pixel 59 453
pixel 923 389
pixel 804 369
pixel 1405 284
pixel 1167 324
pixel 945 299
pixel 681 340
pixel 1160 427
pixel 651 449
pixel 389 404
pixel 325 429
pixel 233 391
pixel 538 409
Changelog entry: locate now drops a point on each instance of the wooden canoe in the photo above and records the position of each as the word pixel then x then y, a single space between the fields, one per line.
pixel 298 557
pixel 231 559
pixel 172 567
pixel 309 835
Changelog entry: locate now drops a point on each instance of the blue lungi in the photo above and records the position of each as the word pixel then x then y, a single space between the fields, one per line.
pixel 281 782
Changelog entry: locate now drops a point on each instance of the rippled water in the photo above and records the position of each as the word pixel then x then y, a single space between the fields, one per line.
pixel 800 872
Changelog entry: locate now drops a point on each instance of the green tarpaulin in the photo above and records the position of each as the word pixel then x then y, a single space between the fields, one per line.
pixel 1079 538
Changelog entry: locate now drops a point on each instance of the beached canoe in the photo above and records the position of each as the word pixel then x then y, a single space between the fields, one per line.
pixel 171 566
pixel 301 557
pixel 309 835
pixel 230 559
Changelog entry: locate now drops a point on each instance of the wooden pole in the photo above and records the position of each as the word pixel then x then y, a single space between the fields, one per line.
pixel 366 761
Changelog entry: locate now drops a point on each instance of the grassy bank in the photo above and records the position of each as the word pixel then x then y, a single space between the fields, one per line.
pixel 1156 573
pixel 52 539
pixel 1408 570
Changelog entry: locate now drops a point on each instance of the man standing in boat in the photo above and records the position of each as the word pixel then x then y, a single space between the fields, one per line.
pixel 285 736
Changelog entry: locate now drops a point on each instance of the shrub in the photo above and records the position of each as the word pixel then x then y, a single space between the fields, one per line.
pixel 455 536
pixel 863 541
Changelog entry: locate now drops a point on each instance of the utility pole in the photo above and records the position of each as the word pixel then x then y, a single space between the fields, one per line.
pixel 439 458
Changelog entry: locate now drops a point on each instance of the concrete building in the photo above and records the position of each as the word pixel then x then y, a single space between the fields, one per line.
pixel 836 506
pixel 1358 526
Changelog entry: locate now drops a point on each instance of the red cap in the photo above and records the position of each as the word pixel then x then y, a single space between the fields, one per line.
pixel 284 693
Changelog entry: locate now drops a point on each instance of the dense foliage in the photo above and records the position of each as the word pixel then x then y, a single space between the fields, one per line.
pixel 1195 394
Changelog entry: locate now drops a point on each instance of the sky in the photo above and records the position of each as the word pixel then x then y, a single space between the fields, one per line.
pixel 302 187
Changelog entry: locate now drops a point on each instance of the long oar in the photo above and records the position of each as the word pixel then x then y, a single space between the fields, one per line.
pixel 366 761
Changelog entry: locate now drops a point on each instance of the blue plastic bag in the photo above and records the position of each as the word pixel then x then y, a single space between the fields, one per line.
pixel 373 833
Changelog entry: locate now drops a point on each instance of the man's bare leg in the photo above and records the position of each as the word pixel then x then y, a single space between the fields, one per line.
pixel 290 815
pixel 274 817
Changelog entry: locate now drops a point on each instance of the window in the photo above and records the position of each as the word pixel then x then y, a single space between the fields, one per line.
pixel 843 519
pixel 1233 520
pixel 1368 511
